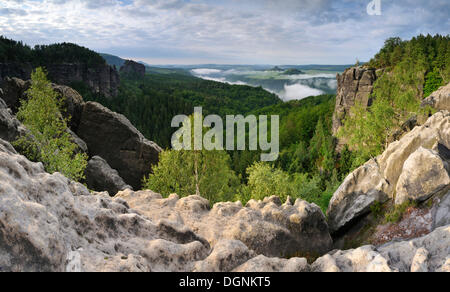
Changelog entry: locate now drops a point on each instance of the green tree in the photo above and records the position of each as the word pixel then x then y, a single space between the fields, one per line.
pixel 48 140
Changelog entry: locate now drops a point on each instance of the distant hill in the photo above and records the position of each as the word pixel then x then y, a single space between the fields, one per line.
pixel 113 60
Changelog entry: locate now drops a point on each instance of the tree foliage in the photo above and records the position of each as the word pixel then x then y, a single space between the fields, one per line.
pixel 48 140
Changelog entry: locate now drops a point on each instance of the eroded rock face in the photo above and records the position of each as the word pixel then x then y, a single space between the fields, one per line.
pixel 101 177
pixel 133 69
pixel 429 253
pixel 424 174
pixel 441 212
pixel 10 127
pixel 440 99
pixel 266 227
pixel 14 90
pixel 354 86
pixel 111 136
pixel 49 223
pixel 387 175
pixel 360 190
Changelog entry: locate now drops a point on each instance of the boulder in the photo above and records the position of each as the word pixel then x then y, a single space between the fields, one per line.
pixel 49 223
pixel 378 179
pixel 264 264
pixel 441 212
pixel 360 190
pixel 111 136
pixel 10 127
pixel 14 90
pixel 225 257
pixel 266 227
pixel 133 69
pixel 427 253
pixel 73 104
pixel 424 174
pixel 440 99
pixel 101 177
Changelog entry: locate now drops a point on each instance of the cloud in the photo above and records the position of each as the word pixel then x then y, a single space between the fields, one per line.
pixel 299 91
pixel 224 31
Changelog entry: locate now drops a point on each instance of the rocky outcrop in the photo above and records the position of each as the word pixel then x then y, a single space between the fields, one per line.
pixel 111 136
pixel 441 212
pixel 133 69
pixel 267 227
pixel 14 90
pixel 354 198
pixel 19 70
pixel 49 223
pixel 424 174
pixel 102 79
pixel 10 127
pixel 355 85
pixel 101 177
pixel 426 254
pixel 73 104
pixel 403 170
pixel 440 99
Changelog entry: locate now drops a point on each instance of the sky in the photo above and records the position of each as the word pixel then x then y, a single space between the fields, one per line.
pixel 224 31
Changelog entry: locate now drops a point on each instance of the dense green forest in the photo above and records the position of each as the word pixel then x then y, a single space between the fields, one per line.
pixel 408 72
pixel 151 103
pixel 41 55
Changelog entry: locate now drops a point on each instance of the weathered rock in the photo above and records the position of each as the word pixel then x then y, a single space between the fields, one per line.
pixel 13 91
pixel 133 69
pixel 441 212
pixel 264 264
pixel 267 227
pixel 440 99
pixel 410 255
pixel 111 136
pixel 101 177
pixel 363 259
pixel 378 180
pixel 73 104
pixel 359 191
pixel 355 85
pixel 10 127
pixel 19 70
pixel 102 79
pixel 424 174
pixel 225 257
pixel 81 145
pixel 48 223
pixel 428 253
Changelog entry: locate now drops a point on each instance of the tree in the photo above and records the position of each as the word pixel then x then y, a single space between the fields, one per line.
pixel 205 173
pixel 48 140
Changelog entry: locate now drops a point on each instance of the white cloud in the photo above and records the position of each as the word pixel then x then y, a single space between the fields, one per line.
pixel 225 31
pixel 299 91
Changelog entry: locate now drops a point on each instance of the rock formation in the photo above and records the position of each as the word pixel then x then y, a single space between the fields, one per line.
pixel 49 223
pixel 102 79
pixel 440 99
pixel 133 69
pixel 10 127
pixel 111 136
pixel 268 227
pixel 407 170
pixel 355 85
pixel 101 177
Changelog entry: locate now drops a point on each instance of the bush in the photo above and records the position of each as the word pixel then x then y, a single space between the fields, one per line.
pixel 48 140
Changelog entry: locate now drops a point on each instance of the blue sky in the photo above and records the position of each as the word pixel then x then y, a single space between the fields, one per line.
pixel 224 31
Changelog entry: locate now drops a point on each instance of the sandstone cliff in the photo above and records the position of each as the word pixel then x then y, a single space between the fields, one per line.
pixel 133 69
pixel 102 79
pixel 355 85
